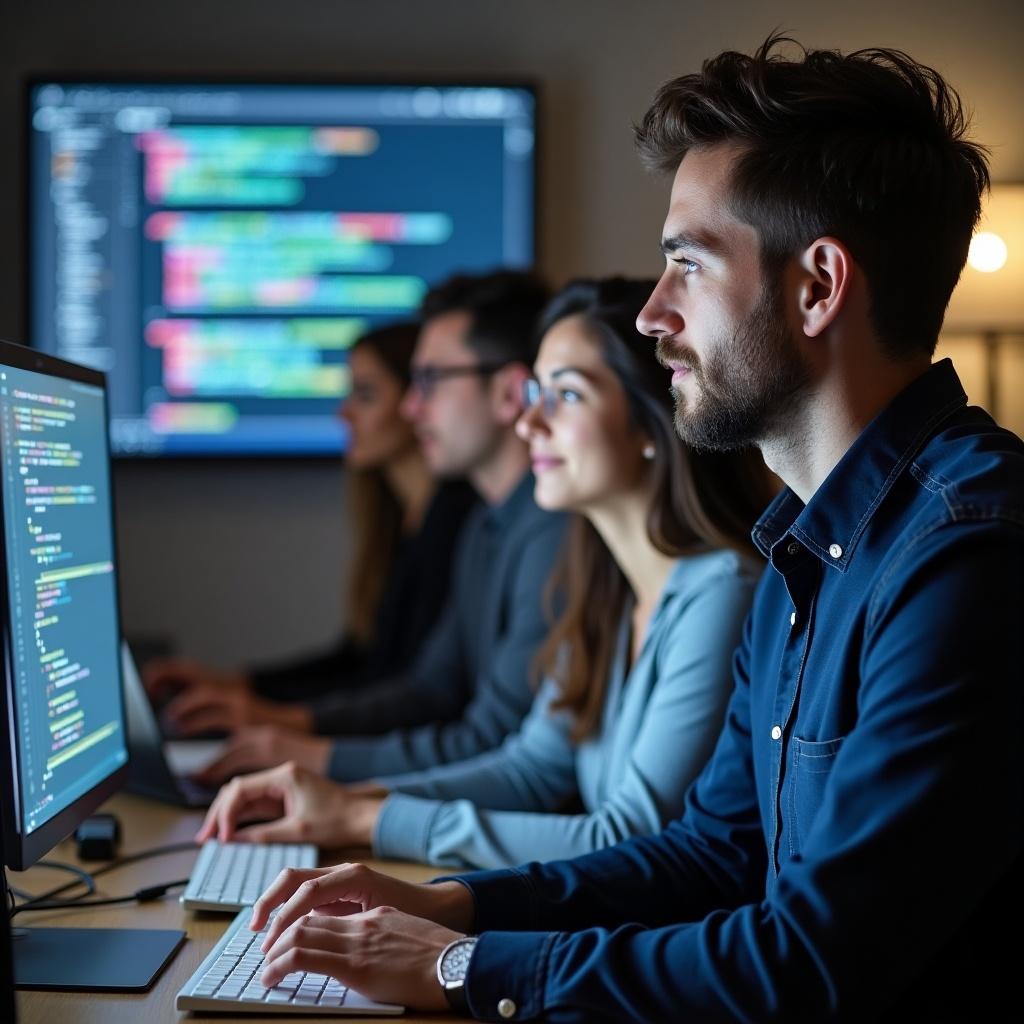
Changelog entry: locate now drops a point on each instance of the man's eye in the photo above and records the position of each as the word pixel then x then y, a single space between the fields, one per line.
pixel 689 267
pixel 569 395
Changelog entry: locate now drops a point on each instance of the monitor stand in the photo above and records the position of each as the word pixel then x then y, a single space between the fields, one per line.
pixel 91 959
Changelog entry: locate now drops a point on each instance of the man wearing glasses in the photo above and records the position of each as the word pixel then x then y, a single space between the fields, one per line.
pixel 470 685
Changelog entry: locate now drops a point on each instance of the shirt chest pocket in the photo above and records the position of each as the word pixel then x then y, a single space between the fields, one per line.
pixel 810 766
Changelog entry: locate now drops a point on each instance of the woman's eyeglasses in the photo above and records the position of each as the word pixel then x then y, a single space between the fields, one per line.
pixel 549 399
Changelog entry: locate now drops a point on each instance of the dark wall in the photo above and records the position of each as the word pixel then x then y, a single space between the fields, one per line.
pixel 233 560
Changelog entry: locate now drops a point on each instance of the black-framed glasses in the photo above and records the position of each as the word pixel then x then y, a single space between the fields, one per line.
pixel 425 378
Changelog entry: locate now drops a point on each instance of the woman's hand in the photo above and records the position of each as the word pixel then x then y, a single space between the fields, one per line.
pixel 303 808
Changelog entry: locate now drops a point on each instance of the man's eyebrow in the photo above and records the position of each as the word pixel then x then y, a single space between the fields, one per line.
pixel 700 242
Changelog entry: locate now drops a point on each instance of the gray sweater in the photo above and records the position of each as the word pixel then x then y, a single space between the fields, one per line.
pixel 659 725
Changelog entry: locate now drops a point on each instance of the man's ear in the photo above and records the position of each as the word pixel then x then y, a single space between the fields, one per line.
pixel 507 392
pixel 825 277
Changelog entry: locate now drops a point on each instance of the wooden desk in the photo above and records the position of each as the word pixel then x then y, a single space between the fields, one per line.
pixel 147 824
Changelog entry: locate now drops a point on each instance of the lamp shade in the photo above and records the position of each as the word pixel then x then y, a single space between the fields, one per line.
pixel 993 299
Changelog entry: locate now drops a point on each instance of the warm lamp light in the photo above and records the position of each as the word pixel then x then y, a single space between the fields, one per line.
pixel 988 301
pixel 990 295
pixel 988 252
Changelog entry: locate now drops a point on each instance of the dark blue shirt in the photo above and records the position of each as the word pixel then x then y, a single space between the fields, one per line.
pixel 852 849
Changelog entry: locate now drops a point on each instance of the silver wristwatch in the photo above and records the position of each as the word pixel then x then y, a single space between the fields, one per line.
pixel 452 966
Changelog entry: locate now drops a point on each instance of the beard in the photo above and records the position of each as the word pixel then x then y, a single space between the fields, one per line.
pixel 746 385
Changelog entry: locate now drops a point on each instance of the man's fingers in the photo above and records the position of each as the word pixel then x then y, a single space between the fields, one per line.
pixel 315 891
pixel 328 934
pixel 314 960
pixel 279 890
pixel 340 908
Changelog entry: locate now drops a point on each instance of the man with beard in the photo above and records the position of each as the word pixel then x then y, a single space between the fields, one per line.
pixel 852 849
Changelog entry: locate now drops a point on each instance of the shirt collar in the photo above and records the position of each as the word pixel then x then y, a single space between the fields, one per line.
pixel 832 522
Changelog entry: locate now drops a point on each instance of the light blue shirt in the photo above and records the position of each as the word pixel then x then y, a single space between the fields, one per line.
pixel 658 727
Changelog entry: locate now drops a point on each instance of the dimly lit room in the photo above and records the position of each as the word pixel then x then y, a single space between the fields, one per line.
pixel 568 453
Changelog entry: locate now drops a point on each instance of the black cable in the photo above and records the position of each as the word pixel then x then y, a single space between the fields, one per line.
pixel 131 858
pixel 152 892
pixel 83 877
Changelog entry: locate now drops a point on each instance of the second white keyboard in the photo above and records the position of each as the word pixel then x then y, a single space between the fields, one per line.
pixel 230 876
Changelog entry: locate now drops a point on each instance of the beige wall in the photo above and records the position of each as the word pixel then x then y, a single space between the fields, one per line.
pixel 229 559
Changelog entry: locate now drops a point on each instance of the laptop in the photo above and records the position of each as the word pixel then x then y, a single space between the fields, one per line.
pixel 159 768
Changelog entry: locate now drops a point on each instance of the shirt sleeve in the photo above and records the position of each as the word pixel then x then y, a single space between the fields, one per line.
pixel 502 693
pixel 310 677
pixel 434 689
pixel 920 821
pixel 496 811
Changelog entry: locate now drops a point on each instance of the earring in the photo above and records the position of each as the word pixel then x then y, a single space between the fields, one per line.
pixel 648 451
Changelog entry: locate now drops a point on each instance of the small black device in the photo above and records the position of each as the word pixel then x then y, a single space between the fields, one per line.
pixel 98 837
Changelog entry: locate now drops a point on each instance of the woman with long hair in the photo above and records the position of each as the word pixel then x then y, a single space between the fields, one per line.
pixel 403 527
pixel 651 593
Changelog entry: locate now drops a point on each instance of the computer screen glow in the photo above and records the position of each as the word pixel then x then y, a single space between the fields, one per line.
pixel 216 249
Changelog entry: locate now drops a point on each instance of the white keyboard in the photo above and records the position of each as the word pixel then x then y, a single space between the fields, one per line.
pixel 229 980
pixel 230 876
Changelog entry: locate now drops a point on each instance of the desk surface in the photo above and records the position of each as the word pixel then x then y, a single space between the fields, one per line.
pixel 146 824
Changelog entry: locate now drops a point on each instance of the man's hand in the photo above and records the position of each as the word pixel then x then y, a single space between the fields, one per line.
pixel 165 676
pixel 266 746
pixel 383 953
pixel 303 806
pixel 203 708
pixel 354 888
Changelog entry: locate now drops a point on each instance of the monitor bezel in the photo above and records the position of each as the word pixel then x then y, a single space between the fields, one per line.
pixel 22 851
pixel 35 78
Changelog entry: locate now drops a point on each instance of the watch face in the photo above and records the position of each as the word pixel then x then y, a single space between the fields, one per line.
pixel 455 961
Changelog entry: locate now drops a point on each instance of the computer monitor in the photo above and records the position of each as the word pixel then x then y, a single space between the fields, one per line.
pixel 63 747
pixel 217 247
pixel 8 1007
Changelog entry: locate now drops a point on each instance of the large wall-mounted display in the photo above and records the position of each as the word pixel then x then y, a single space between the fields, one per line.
pixel 215 248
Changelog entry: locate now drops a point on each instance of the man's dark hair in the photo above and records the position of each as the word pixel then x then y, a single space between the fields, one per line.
pixel 869 147
pixel 503 306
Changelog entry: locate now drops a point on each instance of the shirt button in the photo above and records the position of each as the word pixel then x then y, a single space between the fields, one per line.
pixel 835 551
pixel 506 1009
pixel 776 732
pixel 793 548
pixel 792 618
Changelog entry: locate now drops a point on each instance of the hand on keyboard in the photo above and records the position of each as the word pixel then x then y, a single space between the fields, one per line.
pixel 383 953
pixel 305 807
pixel 353 888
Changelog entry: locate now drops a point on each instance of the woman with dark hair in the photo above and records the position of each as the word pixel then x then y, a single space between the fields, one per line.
pixel 652 587
pixel 403 527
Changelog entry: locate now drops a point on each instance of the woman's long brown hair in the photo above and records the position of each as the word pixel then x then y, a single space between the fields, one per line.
pixel 702 500
pixel 376 513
